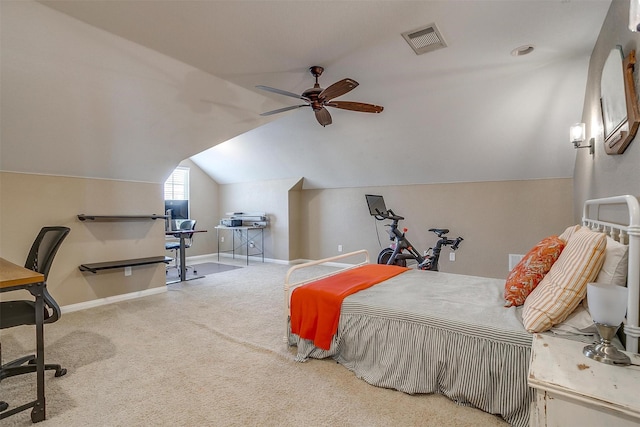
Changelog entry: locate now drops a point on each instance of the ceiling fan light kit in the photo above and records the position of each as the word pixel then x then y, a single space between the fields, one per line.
pixel 318 98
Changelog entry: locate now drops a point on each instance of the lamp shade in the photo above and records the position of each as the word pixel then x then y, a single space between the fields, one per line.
pixel 607 303
pixel 634 15
pixel 577 133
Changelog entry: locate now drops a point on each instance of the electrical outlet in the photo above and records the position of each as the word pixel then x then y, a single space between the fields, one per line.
pixel 127 271
pixel 339 248
pixel 222 239
pixel 452 256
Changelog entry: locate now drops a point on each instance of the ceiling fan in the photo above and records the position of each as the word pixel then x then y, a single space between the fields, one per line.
pixel 318 98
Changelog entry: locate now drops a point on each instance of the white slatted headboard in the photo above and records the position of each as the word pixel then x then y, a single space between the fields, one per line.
pixel 627 233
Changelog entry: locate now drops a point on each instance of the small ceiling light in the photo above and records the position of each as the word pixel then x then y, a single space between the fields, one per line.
pixel 523 50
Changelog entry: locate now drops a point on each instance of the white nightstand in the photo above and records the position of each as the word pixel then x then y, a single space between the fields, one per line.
pixel 573 390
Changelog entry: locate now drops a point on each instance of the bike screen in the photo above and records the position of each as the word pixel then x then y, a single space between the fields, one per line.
pixel 376 204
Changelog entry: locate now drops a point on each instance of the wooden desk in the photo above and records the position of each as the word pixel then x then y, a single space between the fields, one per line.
pixel 183 234
pixel 14 277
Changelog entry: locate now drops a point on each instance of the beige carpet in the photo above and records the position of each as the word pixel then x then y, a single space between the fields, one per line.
pixel 209 352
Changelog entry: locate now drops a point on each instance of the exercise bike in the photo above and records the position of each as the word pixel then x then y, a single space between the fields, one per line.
pixel 401 249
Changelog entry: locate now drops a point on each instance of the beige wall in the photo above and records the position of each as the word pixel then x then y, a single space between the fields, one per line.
pixel 494 218
pixel 604 175
pixel 271 197
pixel 30 202
pixel 295 221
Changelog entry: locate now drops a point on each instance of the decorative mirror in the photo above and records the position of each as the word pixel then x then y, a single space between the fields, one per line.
pixel 620 113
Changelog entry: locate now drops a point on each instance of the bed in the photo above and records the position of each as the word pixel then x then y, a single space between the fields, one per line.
pixel 434 332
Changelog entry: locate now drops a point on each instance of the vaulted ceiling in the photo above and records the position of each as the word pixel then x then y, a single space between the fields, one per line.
pixel 468 112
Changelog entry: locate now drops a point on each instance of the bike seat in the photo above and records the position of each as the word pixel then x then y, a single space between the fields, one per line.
pixel 439 231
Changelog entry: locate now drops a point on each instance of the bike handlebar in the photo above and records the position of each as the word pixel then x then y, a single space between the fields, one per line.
pixel 457 243
pixel 388 215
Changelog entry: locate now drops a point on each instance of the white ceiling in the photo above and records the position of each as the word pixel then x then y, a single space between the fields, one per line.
pixel 469 112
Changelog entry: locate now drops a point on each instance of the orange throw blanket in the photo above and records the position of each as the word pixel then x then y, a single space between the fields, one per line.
pixel 315 307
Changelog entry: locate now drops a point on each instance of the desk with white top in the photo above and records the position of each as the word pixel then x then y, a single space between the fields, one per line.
pixel 247 236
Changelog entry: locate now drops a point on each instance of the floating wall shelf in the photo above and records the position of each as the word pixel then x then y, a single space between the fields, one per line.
pixel 95 267
pixel 84 217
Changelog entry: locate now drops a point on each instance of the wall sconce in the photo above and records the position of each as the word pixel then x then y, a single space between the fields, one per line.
pixel 634 15
pixel 608 306
pixel 577 134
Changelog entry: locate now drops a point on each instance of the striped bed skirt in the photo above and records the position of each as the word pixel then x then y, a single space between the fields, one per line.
pixel 415 358
pixel 432 332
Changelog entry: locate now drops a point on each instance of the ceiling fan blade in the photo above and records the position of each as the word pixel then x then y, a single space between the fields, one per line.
pixel 323 116
pixel 282 110
pixel 355 106
pixel 281 92
pixel 337 89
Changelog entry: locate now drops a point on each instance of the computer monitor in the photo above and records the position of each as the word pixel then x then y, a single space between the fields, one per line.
pixel 376 204
pixel 179 208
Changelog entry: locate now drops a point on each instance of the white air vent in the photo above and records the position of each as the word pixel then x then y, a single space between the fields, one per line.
pixel 425 39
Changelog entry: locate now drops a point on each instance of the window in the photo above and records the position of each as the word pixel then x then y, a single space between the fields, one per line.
pixel 176 187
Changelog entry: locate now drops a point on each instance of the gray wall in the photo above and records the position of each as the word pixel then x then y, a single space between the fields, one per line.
pixel 605 175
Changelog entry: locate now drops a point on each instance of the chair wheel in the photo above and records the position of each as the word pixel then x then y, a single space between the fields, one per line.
pixel 3 406
pixel 195 271
pixel 60 372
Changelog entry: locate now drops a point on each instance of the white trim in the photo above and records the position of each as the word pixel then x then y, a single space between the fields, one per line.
pixel 252 258
pixel 256 258
pixel 109 300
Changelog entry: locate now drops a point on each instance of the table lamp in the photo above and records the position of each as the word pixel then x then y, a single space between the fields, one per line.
pixel 608 306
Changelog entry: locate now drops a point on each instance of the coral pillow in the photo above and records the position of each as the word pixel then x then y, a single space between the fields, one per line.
pixel 531 269
pixel 562 289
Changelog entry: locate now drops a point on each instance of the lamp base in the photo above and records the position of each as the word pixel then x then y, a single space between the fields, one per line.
pixel 604 351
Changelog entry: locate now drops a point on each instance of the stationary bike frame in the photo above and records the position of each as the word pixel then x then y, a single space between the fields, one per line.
pixel 402 249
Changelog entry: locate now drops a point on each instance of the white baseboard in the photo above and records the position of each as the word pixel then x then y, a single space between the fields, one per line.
pixel 252 259
pixel 109 300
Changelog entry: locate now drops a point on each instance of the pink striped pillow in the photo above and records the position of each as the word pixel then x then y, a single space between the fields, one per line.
pixel 565 285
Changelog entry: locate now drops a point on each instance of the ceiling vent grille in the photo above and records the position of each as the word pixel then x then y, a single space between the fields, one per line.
pixel 425 39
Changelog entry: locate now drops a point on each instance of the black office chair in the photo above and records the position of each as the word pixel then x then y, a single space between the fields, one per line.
pixel 16 313
pixel 188 224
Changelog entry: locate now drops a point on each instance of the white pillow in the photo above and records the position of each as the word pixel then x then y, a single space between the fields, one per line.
pixel 616 260
pixel 578 323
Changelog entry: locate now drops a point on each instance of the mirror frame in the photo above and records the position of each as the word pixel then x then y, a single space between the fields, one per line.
pixel 620 138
